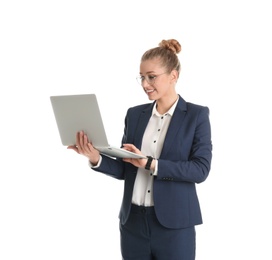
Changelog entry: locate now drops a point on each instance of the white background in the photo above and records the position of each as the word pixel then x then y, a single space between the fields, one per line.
pixel 52 206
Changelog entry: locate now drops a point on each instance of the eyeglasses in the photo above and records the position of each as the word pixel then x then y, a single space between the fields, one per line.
pixel 150 79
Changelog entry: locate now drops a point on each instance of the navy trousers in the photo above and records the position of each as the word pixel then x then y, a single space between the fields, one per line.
pixel 144 238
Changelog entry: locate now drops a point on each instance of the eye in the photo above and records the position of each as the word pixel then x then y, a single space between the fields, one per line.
pixel 151 77
pixel 141 78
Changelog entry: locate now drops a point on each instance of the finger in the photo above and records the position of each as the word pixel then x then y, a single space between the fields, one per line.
pixel 80 142
pixel 91 148
pixel 80 135
pixel 78 139
pixel 127 160
pixel 129 145
pixel 73 147
pixel 86 147
pixel 132 148
pixel 85 140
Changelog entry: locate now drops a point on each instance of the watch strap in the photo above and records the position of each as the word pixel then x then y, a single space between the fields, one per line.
pixel 149 161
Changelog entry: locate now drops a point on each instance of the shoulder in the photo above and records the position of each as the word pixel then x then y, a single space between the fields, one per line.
pixel 192 111
pixel 141 108
pixel 191 107
pixel 196 107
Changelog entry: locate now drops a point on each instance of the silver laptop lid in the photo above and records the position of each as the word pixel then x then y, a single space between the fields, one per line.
pixel 71 112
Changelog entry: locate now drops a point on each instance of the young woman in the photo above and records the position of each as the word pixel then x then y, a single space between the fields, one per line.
pixel 160 207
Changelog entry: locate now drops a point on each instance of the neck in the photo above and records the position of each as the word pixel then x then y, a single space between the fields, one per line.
pixel 163 105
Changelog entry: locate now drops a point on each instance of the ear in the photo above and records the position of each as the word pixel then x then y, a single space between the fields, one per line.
pixel 174 75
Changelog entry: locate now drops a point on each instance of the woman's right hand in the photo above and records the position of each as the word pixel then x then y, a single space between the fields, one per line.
pixel 84 147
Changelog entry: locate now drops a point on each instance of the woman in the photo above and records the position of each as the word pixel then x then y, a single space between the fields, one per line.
pixel 160 206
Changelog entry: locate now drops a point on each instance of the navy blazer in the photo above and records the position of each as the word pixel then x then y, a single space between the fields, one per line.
pixel 184 161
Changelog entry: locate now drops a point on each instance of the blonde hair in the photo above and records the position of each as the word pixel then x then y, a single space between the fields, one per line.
pixel 166 53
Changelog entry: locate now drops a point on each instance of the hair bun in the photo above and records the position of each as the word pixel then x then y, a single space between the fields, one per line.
pixel 171 44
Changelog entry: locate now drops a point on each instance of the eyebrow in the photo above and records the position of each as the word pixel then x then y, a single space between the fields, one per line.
pixel 149 72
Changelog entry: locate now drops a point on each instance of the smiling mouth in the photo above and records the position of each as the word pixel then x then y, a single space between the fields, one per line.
pixel 149 90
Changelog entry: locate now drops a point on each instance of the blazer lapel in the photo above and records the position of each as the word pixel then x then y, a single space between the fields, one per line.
pixel 174 126
pixel 143 121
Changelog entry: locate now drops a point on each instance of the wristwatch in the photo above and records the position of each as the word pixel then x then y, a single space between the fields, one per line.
pixel 149 161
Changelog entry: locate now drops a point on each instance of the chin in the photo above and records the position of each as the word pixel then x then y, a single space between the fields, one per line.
pixel 151 98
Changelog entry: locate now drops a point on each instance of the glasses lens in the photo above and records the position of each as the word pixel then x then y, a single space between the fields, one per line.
pixel 150 80
pixel 140 79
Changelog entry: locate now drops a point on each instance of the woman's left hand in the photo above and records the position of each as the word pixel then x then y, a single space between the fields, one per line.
pixel 140 163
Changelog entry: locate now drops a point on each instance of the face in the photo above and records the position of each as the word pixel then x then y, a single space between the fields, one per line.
pixel 156 82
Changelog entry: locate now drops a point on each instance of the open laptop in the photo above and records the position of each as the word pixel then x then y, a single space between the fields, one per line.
pixel 74 113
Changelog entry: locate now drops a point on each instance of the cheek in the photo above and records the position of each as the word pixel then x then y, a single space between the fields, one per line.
pixel 163 86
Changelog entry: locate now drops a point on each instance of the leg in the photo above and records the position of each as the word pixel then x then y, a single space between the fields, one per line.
pixel 172 244
pixel 135 238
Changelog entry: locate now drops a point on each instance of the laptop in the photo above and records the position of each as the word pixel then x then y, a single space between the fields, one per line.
pixel 74 113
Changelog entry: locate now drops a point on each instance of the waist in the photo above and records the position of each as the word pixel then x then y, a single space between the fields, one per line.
pixel 142 209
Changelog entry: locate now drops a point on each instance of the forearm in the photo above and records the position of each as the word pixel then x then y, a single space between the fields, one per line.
pixel 109 166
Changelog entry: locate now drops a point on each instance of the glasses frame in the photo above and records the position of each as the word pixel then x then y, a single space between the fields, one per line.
pixel 140 79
